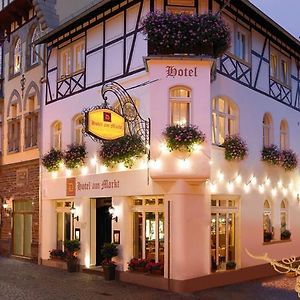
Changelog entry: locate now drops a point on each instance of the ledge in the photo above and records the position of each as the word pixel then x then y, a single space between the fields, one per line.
pixel 277 242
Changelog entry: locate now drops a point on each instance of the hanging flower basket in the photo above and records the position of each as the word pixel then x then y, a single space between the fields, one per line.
pixel 169 33
pixel 271 155
pixel 235 148
pixel 123 150
pixel 52 160
pixel 74 156
pixel 183 138
pixel 288 160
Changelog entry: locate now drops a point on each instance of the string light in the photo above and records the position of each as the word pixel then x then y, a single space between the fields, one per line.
pixel 246 188
pixel 274 192
pixel 238 179
pixel 261 189
pixel 54 174
pixel 230 187
pixel 164 149
pixel 267 181
pixel 213 187
pixel 253 180
pixel 279 184
pixel 196 148
pixel 68 172
pixel 94 161
pixel 84 170
pixel 103 169
pixel 284 191
pixel 184 164
pixel 155 164
pixel 220 176
pixel 121 167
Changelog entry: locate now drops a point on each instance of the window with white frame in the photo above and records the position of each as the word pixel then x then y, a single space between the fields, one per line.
pixel 14 129
pixel 34 50
pixel 72 59
pixel 267 219
pixel 279 67
pixel 180 102
pixel 224 119
pixel 77 130
pixel 241 44
pixel 284 130
pixel 56 135
pixel 17 57
pixel 283 216
pixel 31 123
pixel 267 130
pixel 273 64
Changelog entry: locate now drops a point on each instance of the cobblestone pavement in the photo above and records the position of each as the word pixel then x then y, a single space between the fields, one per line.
pixel 25 281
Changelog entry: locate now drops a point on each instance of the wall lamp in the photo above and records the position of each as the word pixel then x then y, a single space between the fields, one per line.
pixel 73 211
pixel 111 211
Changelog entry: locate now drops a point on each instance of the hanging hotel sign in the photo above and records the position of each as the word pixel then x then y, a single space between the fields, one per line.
pixel 104 123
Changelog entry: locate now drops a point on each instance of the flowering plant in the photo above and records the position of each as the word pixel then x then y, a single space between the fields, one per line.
pixel 123 150
pixel 288 160
pixel 235 148
pixel 72 247
pixel 271 155
pixel 183 138
pixel 75 156
pixel 169 33
pixel 152 265
pixel 285 234
pixel 137 263
pixel 57 253
pixel 52 160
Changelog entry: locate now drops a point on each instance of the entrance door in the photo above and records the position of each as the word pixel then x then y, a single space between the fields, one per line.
pixel 103 226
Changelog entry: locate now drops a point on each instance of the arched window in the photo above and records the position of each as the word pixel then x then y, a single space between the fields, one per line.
pixel 17 56
pixel 180 102
pixel 283 215
pixel 224 119
pixel 284 133
pixel 34 50
pixel 56 135
pixel 267 221
pixel 267 130
pixel 77 130
pixel 14 128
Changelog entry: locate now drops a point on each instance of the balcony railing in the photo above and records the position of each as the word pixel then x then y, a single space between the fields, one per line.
pixel 4 3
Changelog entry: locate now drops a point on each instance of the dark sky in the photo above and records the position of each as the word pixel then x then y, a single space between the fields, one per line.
pixel 284 12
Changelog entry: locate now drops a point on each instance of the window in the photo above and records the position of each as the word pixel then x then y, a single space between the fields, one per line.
pixel 148 228
pixel 180 98
pixel 279 67
pixel 34 50
pixel 14 129
pixel 64 224
pixel 17 57
pixel 224 120
pixel 72 59
pixel 56 135
pixel 77 130
pixel 181 6
pixel 283 216
pixel 241 45
pixel 284 135
pixel 223 232
pixel 267 130
pixel 267 221
pixel 31 123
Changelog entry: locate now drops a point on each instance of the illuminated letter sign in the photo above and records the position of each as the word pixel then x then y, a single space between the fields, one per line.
pixel 105 124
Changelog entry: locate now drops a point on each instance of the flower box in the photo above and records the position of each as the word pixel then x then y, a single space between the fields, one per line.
pixel 74 156
pixel 235 148
pixel 52 160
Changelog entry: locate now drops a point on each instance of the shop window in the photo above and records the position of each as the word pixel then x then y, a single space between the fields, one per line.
pixel 77 130
pixel 279 67
pixel 180 98
pixel 267 221
pixel 14 129
pixel 224 119
pixel 72 59
pixel 284 135
pixel 31 123
pixel 148 229
pixel 34 49
pixel 56 135
pixel 223 232
pixel 64 224
pixel 283 215
pixel 267 130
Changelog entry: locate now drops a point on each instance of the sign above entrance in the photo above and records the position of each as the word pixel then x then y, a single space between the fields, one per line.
pixel 105 124
pixel 172 71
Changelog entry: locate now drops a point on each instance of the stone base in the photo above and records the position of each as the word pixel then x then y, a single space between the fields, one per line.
pixel 55 263
pixel 5 246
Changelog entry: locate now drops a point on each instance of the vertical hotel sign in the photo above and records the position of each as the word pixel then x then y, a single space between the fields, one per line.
pixel 104 124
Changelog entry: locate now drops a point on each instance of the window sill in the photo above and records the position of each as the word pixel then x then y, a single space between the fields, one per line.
pixel 13 152
pixel 276 242
pixel 30 148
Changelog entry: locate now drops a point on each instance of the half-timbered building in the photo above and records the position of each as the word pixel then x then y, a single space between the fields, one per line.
pixel 193 213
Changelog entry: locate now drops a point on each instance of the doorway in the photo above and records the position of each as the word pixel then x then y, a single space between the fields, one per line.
pixel 103 226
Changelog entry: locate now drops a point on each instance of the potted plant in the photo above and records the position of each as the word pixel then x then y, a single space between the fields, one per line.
pixel 72 246
pixel 51 160
pixel 156 268
pixel 183 138
pixel 57 254
pixel 123 150
pixel 109 251
pixel 271 155
pixel 75 156
pixel 288 160
pixel 230 265
pixel 285 234
pixel 267 236
pixel 138 264
pixel 235 148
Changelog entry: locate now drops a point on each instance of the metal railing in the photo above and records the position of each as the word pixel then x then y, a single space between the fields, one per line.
pixel 4 3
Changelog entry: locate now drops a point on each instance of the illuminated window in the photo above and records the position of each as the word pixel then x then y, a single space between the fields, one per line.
pixel 267 130
pixel 56 135
pixel 224 120
pixel 267 221
pixel 279 67
pixel 17 57
pixel 180 98
pixel 77 130
pixel 34 50
pixel 31 123
pixel 284 71
pixel 284 130
pixel 273 65
pixel 14 129
pixel 283 216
